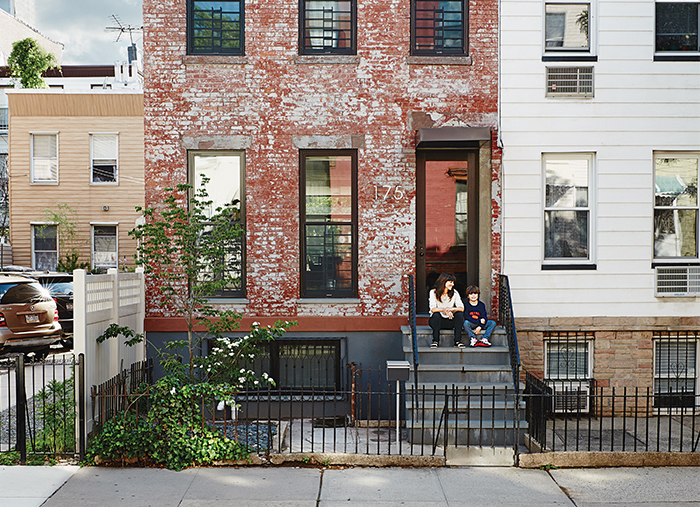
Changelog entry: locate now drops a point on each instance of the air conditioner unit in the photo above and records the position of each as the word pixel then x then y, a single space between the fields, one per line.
pixel 569 82
pixel 677 281
pixel 570 397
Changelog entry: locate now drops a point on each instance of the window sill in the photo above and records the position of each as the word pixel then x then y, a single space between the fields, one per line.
pixel 677 57
pixel 680 263
pixel 327 59
pixel 569 58
pixel 214 60
pixel 47 183
pixel 104 183
pixel 230 301
pixel 569 267
pixel 328 301
pixel 439 60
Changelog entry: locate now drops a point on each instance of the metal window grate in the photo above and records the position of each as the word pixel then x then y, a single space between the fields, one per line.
pixel 570 81
pixel 439 28
pixel 328 27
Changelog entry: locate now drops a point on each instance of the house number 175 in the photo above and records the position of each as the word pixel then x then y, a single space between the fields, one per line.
pixel 385 192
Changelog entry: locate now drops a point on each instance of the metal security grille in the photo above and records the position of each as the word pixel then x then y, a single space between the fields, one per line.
pixel 328 27
pixel 675 369
pixel 439 27
pixel 216 27
pixel 677 281
pixel 570 81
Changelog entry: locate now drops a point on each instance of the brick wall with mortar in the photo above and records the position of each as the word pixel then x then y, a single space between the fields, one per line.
pixel 273 101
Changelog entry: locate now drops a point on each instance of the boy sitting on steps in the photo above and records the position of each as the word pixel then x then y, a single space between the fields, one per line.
pixel 476 320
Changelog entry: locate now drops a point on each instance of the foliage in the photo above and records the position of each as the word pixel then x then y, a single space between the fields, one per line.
pixel 123 438
pixel 56 407
pixel 28 61
pixel 115 330
pixel 66 220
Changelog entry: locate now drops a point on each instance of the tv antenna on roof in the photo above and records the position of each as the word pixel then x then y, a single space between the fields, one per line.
pixel 122 30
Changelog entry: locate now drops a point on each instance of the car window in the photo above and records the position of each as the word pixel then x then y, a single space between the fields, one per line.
pixel 59 288
pixel 23 292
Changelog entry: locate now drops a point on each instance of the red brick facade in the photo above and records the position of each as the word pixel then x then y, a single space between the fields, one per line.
pixel 272 102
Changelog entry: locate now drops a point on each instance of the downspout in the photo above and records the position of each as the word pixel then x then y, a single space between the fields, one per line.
pixel 499 140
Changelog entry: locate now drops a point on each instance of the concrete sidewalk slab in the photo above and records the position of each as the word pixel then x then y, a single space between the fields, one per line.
pixel 628 487
pixel 498 486
pixel 29 486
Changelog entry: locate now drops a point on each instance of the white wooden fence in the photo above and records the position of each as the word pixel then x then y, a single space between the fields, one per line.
pixel 99 301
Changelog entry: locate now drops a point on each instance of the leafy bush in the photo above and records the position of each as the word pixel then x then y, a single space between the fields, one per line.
pixel 55 405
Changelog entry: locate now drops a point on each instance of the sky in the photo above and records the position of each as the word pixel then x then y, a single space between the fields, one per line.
pixel 80 26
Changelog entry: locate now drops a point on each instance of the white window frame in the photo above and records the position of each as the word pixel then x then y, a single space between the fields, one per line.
pixel 34 226
pixel 33 179
pixel 92 158
pixel 680 53
pixel 92 244
pixel 568 53
pixel 675 259
pixel 657 375
pixel 591 208
pixel 587 342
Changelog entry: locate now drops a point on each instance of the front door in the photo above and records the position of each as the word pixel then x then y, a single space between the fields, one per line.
pixel 447 230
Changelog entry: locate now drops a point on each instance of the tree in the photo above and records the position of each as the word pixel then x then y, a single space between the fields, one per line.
pixel 28 61
pixel 66 219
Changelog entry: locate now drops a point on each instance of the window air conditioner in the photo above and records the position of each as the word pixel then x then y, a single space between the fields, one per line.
pixel 679 281
pixel 570 397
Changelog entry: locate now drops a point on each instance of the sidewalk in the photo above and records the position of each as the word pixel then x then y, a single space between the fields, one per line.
pixel 352 487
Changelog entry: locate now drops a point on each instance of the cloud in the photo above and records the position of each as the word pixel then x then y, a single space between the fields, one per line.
pixel 80 26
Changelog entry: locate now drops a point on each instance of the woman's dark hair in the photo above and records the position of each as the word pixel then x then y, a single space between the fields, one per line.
pixel 440 285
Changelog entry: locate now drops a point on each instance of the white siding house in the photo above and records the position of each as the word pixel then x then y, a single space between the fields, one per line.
pixel 600 128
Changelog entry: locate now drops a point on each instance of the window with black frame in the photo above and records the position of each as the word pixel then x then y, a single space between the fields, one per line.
pixel 224 171
pixel 215 27
pixel 439 27
pixel 675 370
pixel 329 223
pixel 327 27
pixel 677 27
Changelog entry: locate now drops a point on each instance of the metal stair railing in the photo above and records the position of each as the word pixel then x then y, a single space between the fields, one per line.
pixel 414 334
pixel 505 315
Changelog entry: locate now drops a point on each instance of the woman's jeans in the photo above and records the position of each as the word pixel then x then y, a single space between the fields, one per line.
pixel 438 322
pixel 486 329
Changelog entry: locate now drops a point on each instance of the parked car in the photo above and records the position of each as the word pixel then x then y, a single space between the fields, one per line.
pixel 60 286
pixel 28 316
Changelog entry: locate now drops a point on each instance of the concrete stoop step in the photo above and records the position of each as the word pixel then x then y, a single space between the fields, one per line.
pixel 477 383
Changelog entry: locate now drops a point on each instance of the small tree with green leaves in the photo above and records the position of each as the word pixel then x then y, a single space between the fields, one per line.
pixel 66 220
pixel 28 61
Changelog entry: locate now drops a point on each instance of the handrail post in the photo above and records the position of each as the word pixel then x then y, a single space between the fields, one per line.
pixel 414 337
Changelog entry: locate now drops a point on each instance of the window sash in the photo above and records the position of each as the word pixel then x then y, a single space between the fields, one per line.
pixel 675 373
pixel 439 28
pixel 216 27
pixel 327 26
pixel 567 206
pixel 105 153
pixel 567 27
pixel 45 247
pixel 677 27
pixel 104 246
pixel 567 359
pixel 676 206
pixel 44 158
pixel 329 223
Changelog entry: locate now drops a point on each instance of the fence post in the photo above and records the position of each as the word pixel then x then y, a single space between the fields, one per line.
pixel 20 409
pixel 81 406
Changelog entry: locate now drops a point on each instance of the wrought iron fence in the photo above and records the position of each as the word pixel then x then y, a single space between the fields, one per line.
pixel 121 392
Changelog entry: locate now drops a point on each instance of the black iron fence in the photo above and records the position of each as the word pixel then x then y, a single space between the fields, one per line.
pixel 38 407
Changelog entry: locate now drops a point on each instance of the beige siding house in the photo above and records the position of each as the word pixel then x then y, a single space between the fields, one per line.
pixel 82 149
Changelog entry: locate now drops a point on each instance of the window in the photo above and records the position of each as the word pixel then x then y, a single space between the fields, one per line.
pixel 439 28
pixel 327 27
pixel 104 247
pixel 566 27
pixel 329 223
pixel 677 27
pixel 225 172
pixel 567 209
pixel 45 247
pixel 215 27
pixel 676 206
pixel 104 151
pixel 44 158
pixel 675 370
pixel 568 356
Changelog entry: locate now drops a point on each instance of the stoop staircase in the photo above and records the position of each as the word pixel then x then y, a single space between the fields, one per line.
pixel 468 391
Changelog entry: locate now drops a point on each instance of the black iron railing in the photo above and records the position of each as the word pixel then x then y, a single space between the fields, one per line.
pixel 507 319
pixel 414 333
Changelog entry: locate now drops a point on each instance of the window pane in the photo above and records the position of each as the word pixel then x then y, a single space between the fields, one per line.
pixel 676 26
pixel 439 27
pixel 44 158
pixel 224 173
pixel 676 182
pixel 566 234
pixel 104 146
pixel 216 27
pixel 105 246
pixel 329 257
pixel 567 183
pixel 45 247
pixel 674 373
pixel 675 233
pixel 567 360
pixel 328 26
pixel 329 189
pixel 566 26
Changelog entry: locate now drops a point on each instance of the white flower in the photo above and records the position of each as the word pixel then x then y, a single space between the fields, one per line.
pixel 264 375
pixel 242 370
pixel 241 380
pixel 172 391
pixel 256 383
pixel 256 324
